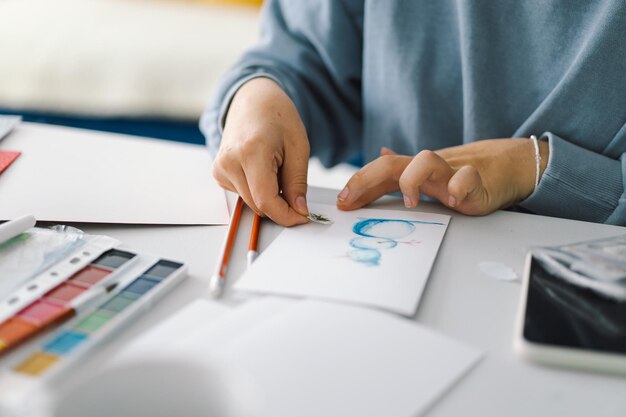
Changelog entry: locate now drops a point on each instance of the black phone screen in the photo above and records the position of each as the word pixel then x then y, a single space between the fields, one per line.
pixel 566 315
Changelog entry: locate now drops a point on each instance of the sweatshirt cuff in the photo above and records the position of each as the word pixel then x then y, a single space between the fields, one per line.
pixel 577 183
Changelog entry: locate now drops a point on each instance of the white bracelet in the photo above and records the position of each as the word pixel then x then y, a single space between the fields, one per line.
pixel 537 159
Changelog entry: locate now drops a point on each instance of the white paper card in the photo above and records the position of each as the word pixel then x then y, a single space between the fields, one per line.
pixel 163 338
pixel 238 322
pixel 73 175
pixel 325 359
pixel 380 258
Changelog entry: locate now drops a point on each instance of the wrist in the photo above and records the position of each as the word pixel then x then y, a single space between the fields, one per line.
pixel 258 105
pixel 255 94
pixel 262 110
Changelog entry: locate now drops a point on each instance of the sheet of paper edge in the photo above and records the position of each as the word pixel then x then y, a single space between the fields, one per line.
pixel 404 312
pixel 217 220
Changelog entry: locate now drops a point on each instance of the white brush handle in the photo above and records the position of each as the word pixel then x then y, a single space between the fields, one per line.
pixel 13 228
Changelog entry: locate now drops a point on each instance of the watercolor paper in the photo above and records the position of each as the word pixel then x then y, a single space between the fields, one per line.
pixel 164 337
pixel 380 258
pixel 74 175
pixel 316 358
pixel 236 323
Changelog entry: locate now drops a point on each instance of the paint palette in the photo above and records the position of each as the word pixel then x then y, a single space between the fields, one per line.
pixel 65 346
pixel 91 290
pixel 54 305
pixel 87 261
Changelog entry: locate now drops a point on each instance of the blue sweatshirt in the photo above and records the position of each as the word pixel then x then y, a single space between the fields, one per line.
pixel 424 74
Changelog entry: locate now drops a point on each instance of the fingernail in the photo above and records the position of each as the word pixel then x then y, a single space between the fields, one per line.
pixel 301 205
pixel 343 194
pixel 407 202
pixel 451 201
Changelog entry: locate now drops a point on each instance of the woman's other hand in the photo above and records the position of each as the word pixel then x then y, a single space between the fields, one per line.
pixel 476 178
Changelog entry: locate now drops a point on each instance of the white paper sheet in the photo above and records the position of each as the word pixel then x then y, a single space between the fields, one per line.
pixel 201 324
pixel 325 359
pixel 380 258
pixel 232 326
pixel 73 175
pixel 165 337
pixel 314 358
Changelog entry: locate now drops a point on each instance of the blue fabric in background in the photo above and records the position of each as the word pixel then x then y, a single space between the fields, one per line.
pixel 177 130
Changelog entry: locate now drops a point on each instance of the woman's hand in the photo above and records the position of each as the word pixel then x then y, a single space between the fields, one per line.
pixel 475 179
pixel 264 151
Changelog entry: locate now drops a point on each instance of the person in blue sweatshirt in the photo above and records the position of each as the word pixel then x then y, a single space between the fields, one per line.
pixel 440 97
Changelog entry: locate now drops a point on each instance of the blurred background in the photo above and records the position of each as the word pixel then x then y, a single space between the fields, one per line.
pixel 140 67
pixel 143 67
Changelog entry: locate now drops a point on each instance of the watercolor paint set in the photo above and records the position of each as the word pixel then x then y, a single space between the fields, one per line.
pixel 65 255
pixel 57 304
pixel 57 317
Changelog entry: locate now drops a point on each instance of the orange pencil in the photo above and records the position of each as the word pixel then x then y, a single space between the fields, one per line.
pixel 219 278
pixel 254 239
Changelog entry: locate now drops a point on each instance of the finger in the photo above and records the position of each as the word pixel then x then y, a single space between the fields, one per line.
pixel 262 176
pixel 293 177
pixel 470 193
pixel 374 180
pixel 464 184
pixel 426 167
pixel 386 151
pixel 242 188
pixel 235 180
pixel 221 176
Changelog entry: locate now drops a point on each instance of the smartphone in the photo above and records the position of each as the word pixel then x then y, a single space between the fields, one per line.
pixel 572 311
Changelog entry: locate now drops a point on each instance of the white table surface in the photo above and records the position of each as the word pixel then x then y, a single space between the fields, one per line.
pixel 459 301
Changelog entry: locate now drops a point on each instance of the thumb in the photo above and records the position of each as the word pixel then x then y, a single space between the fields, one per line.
pixel 294 179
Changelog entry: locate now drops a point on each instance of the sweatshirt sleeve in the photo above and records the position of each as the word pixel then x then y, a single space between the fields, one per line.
pixel 580 184
pixel 313 50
